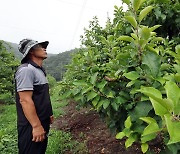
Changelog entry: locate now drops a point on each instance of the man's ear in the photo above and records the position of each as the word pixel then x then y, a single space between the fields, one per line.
pixel 31 52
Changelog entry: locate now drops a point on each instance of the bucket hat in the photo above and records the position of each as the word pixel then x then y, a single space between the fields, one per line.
pixel 26 44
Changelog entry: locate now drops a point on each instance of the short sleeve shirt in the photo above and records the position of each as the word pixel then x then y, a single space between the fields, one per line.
pixel 30 76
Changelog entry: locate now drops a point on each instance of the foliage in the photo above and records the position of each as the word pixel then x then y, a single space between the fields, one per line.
pixel 116 63
pixel 165 13
pixel 51 81
pixel 8 65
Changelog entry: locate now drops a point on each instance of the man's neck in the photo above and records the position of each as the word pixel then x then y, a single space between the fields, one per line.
pixel 39 62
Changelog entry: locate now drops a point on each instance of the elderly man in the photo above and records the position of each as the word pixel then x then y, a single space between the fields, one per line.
pixel 34 110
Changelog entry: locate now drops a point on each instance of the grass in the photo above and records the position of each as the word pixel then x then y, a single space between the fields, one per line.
pixel 8 132
pixel 59 141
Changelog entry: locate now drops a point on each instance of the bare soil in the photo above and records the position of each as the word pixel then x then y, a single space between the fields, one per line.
pixel 86 126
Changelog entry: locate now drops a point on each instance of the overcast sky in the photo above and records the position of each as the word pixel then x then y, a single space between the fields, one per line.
pixel 59 21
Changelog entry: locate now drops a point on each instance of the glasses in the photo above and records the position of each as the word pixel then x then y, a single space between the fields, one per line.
pixel 38 47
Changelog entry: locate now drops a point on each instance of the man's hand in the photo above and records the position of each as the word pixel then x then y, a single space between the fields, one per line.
pixel 51 119
pixel 38 134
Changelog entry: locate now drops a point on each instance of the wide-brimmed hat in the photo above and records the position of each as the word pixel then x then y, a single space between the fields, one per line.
pixel 26 44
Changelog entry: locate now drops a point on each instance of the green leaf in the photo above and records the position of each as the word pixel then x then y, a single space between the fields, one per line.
pixel 126 1
pixel 126 38
pixel 144 12
pixel 153 34
pixel 173 93
pixel 127 132
pixel 102 84
pixel 144 147
pixel 106 103
pixel 177 77
pixel 103 40
pixel 173 129
pixel 147 138
pixel 148 120
pixel 110 94
pixel 128 123
pixel 177 67
pixel 154 27
pixel 134 36
pixel 100 103
pixel 95 101
pixel 145 33
pixel 120 100
pixel 177 49
pixel 110 38
pixel 131 75
pixel 66 94
pixel 152 49
pixel 115 106
pixel 141 110
pixel 94 78
pixel 157 39
pixel 152 127
pixel 116 7
pixel 131 83
pixel 161 80
pixel 136 4
pixel 80 83
pixel 120 135
pixel 161 106
pixel 153 61
pixel 131 20
pixel 131 139
pixel 91 95
pixel 75 91
pixel 115 49
pixel 86 90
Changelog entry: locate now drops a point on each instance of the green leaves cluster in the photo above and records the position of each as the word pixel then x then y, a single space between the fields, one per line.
pixel 8 65
pixel 116 64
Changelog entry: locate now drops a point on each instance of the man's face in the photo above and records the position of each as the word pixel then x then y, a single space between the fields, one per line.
pixel 39 52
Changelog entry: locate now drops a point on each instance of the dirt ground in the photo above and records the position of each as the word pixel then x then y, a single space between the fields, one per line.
pixel 86 125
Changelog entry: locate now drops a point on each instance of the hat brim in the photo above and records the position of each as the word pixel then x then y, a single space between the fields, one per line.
pixel 43 44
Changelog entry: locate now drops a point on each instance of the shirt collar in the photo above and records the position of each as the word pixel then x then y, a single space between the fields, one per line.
pixel 37 66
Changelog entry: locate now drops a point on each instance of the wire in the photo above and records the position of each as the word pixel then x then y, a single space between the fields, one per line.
pixel 78 23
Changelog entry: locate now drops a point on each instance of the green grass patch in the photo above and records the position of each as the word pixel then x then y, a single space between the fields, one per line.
pixel 61 142
pixel 8 131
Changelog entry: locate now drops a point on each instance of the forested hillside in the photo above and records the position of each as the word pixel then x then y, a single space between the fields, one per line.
pixel 55 65
pixel 12 47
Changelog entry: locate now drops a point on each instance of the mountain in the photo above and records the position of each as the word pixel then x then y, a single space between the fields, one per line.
pixel 13 47
pixel 54 64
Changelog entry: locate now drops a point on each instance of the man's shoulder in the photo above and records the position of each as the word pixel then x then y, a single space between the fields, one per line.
pixel 24 68
pixel 22 65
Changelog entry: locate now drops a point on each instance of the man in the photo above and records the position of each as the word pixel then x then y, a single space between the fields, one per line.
pixel 34 110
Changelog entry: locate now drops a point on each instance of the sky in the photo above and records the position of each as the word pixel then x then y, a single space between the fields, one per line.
pixel 61 22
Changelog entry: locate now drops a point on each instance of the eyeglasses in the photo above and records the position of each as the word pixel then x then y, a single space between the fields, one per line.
pixel 38 47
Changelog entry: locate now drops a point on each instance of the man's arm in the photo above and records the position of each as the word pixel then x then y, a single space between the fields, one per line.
pixel 31 115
